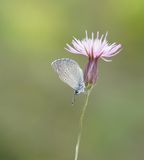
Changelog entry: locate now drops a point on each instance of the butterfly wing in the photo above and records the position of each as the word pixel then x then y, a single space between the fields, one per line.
pixel 69 72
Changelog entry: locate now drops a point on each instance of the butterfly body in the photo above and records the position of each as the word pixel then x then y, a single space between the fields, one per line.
pixel 70 73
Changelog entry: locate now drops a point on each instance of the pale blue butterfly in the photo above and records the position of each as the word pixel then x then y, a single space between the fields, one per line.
pixel 70 73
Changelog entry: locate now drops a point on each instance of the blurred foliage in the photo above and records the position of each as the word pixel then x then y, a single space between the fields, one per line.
pixel 37 121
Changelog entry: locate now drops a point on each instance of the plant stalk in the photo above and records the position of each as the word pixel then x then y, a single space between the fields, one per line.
pixel 81 125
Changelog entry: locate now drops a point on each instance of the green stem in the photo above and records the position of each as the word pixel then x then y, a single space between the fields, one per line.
pixel 81 126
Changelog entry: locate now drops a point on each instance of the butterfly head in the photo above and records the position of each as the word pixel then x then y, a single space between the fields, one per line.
pixel 80 89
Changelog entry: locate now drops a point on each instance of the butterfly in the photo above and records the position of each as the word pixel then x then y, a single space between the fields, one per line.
pixel 70 73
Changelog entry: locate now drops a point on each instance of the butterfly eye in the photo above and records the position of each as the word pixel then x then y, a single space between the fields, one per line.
pixel 76 92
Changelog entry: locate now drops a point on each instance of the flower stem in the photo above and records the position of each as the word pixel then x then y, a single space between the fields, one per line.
pixel 81 125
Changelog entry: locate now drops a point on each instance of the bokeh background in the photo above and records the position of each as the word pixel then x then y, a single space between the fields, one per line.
pixel 37 121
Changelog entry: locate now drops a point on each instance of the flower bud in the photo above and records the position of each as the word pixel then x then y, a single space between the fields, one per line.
pixel 90 72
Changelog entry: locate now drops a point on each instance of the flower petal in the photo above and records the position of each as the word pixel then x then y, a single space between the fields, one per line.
pixel 94 48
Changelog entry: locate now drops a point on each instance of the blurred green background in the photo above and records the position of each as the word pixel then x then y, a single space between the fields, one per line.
pixel 37 121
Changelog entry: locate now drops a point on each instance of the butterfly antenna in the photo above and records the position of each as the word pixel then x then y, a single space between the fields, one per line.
pixel 73 99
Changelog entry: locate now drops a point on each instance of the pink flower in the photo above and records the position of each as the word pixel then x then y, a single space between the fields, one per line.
pixel 93 48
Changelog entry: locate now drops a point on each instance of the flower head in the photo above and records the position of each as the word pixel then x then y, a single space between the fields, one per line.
pixel 93 48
